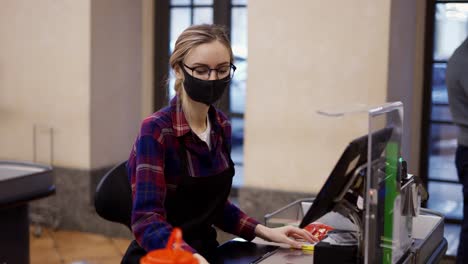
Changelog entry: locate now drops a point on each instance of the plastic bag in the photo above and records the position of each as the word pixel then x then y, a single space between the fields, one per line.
pixel 318 230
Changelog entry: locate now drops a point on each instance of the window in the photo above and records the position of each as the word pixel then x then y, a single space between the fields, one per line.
pixel 171 18
pixel 447 27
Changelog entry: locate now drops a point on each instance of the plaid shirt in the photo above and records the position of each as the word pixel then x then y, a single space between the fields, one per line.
pixel 154 167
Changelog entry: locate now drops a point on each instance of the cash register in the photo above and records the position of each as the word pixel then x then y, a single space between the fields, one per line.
pixel 370 200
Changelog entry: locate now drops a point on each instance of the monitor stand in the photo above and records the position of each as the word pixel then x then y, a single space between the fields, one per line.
pixel 347 201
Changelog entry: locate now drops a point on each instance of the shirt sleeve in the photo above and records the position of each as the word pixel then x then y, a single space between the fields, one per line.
pixel 146 169
pixel 236 222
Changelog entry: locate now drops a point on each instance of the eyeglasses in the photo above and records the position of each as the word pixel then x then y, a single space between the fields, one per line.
pixel 204 72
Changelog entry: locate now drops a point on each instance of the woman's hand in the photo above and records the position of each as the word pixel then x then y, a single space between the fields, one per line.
pixel 200 258
pixel 285 234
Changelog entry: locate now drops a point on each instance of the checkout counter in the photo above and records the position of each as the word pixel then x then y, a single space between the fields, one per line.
pixel 369 199
pixel 20 183
pixel 428 246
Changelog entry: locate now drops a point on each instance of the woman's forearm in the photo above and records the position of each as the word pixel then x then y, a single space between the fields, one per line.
pixel 261 231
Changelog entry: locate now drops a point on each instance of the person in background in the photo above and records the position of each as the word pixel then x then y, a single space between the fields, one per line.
pixel 180 167
pixel 457 87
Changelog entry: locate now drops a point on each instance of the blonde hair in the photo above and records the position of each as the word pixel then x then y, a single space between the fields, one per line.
pixel 192 37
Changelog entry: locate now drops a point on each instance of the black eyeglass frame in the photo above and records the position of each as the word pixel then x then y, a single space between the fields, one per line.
pixel 232 66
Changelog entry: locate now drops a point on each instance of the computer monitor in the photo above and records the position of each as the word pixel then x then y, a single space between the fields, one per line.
pixel 354 156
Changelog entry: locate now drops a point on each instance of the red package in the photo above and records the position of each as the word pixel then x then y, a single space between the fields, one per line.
pixel 318 230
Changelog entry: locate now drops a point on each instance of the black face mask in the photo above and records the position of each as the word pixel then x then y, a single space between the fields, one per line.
pixel 202 91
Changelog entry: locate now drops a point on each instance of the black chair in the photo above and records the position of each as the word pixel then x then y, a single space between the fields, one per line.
pixel 113 197
pixel 113 202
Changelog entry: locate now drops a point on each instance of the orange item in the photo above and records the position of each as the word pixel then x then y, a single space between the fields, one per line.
pixel 318 230
pixel 170 255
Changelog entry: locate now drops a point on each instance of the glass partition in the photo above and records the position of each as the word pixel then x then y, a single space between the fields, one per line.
pixel 385 233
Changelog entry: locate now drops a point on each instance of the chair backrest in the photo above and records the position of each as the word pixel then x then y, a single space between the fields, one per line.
pixel 113 197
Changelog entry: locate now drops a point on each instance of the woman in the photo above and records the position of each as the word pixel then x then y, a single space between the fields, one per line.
pixel 180 167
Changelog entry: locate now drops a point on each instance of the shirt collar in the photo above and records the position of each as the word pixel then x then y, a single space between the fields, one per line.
pixel 179 122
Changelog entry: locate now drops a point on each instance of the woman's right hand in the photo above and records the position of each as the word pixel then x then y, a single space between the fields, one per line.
pixel 200 258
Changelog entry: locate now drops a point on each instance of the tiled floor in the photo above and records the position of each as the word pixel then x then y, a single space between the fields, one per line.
pixel 70 247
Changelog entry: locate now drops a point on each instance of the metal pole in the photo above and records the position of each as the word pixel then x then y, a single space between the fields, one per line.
pixel 34 143
pixel 51 131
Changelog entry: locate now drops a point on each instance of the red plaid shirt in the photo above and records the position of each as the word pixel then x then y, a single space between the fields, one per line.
pixel 154 165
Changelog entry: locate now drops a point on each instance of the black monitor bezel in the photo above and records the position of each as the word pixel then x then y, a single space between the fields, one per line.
pixel 326 199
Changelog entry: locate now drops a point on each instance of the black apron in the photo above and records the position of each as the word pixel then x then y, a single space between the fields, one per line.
pixel 194 205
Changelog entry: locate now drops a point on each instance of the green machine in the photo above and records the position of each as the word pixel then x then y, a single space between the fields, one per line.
pixel 392 227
